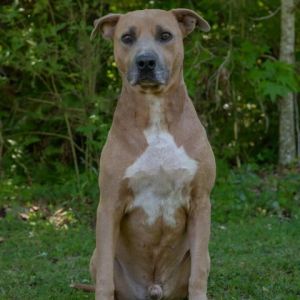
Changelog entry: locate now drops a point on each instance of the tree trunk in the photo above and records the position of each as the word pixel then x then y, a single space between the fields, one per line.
pixel 287 136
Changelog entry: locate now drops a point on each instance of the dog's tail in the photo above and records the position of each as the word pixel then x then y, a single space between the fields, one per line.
pixel 83 287
pixel 155 292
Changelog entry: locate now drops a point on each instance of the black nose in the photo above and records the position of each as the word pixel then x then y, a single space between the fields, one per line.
pixel 146 62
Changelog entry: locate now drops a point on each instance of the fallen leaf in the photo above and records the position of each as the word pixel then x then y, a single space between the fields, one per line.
pixel 34 208
pixel 24 216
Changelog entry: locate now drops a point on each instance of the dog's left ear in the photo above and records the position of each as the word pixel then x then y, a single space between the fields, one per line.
pixel 188 20
pixel 106 25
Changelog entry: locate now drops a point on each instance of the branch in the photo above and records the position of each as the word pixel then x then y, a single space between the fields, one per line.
pixel 58 135
pixel 269 57
pixel 271 15
pixel 79 110
pixel 68 125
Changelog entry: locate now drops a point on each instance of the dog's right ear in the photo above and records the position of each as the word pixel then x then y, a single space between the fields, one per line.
pixel 106 25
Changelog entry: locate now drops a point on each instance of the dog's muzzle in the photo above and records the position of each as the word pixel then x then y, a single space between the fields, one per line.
pixel 147 70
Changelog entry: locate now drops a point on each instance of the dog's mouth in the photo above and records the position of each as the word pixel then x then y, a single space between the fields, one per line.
pixel 151 80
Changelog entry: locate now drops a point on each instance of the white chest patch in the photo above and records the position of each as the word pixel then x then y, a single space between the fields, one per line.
pixel 161 176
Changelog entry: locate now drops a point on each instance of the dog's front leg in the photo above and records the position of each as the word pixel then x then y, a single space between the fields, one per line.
pixel 107 231
pixel 199 232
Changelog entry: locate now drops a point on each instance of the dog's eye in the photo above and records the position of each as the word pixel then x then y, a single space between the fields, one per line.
pixel 127 39
pixel 165 36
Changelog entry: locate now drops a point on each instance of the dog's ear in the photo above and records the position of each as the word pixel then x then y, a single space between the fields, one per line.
pixel 188 20
pixel 106 26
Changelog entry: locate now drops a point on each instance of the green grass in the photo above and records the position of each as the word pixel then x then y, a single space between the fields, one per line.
pixel 256 258
pixel 40 260
pixel 255 244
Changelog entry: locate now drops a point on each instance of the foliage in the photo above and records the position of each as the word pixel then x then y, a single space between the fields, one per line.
pixel 58 90
pixel 255 192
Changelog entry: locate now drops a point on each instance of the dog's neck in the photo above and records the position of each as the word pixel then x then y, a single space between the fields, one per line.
pixel 138 108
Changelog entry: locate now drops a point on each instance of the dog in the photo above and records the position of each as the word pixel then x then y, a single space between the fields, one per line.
pixel 157 168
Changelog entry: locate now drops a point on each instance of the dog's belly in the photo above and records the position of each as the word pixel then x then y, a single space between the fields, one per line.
pixel 152 254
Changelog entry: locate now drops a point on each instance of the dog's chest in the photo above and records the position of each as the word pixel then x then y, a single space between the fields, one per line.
pixel 160 178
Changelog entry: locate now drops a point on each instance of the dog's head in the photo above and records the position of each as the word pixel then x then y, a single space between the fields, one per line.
pixel 148 45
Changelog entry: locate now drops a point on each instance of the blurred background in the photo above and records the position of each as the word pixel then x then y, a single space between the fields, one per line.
pixel 58 91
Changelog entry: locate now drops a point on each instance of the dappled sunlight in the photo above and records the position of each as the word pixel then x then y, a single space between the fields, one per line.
pixel 35 216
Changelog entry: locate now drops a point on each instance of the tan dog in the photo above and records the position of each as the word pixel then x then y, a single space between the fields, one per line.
pixel 157 168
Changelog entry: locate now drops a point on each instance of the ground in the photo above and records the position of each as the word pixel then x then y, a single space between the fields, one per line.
pixel 256 258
